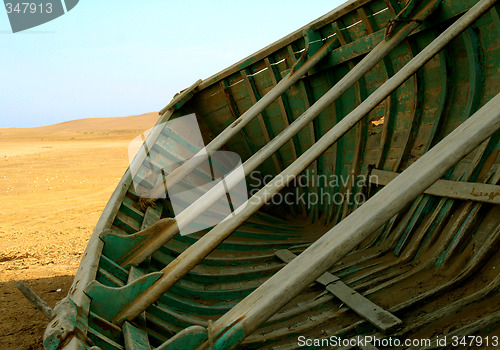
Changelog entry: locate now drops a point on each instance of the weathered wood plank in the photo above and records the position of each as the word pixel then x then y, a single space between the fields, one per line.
pixel 380 318
pixel 102 341
pixel 151 217
pixel 135 338
pixel 445 188
pixel 38 302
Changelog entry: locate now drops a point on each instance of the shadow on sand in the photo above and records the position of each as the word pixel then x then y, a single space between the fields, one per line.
pixel 21 324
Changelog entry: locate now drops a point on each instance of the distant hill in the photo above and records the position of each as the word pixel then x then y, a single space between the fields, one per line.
pixel 87 128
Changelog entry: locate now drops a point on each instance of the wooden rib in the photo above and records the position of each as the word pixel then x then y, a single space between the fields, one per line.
pixel 393 6
pixel 362 126
pixel 330 209
pixel 362 12
pixel 233 109
pixel 294 141
pixel 305 91
pixel 281 103
pixel 356 163
pixel 260 119
pixel 480 152
pixel 475 73
pixel 342 209
pixel 388 109
pixel 472 208
pixel 418 96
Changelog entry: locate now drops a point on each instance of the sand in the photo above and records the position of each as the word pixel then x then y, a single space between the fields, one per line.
pixel 54 183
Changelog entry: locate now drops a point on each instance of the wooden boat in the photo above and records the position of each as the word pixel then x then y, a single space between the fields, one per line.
pixel 403 94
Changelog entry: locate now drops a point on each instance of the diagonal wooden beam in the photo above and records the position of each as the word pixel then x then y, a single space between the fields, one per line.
pixel 377 316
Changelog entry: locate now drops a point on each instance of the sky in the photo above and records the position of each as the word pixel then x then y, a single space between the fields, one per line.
pixel 125 57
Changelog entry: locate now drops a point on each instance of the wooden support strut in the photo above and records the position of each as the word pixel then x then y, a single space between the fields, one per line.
pixel 377 316
pixel 204 202
pixel 478 192
pixel 197 252
pixel 38 302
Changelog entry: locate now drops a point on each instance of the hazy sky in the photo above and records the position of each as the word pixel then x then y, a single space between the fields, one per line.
pixel 117 58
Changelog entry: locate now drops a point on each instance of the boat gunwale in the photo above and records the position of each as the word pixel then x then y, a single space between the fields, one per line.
pixel 331 16
pixel 316 24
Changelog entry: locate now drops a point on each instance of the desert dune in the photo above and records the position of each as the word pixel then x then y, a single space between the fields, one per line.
pixel 54 183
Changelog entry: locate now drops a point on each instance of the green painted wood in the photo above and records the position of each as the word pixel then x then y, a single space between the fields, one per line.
pixel 135 338
pixel 106 328
pixel 119 247
pixel 151 217
pixel 107 301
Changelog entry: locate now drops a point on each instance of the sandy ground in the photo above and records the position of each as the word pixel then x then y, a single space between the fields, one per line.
pixel 54 183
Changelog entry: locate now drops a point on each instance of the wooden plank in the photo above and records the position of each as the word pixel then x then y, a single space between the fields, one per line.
pixel 281 103
pixel 478 192
pixel 135 338
pixel 380 318
pixel 127 223
pixel 102 341
pixel 151 217
pixel 135 273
